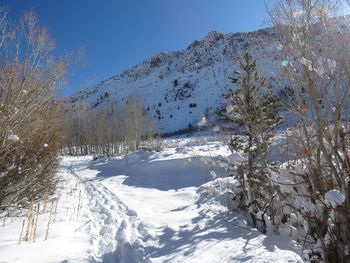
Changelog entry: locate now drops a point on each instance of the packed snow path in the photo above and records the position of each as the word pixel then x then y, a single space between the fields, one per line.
pixel 114 227
pixel 156 207
pixel 150 207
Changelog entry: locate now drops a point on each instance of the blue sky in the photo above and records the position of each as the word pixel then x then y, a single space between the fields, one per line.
pixel 117 34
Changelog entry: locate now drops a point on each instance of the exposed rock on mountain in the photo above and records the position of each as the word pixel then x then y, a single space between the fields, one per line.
pixel 180 87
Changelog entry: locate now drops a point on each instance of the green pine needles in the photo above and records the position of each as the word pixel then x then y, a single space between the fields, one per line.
pixel 251 116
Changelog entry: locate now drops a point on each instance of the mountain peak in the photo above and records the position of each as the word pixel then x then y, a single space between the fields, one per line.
pixel 208 41
pixel 181 87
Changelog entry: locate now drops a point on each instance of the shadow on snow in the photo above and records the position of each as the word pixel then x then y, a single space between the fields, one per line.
pixel 143 170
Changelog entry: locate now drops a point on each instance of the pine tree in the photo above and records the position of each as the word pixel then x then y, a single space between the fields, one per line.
pixel 251 116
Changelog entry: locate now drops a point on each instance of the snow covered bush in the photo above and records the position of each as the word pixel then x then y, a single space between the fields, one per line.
pixel 315 45
pixel 29 130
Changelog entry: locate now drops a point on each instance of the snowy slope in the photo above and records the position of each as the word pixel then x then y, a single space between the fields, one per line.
pixel 182 86
pixel 147 207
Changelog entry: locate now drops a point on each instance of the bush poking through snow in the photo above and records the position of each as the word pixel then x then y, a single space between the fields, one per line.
pixel 28 116
pixel 319 142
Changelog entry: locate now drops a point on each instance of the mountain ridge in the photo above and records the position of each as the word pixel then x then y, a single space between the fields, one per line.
pixel 180 87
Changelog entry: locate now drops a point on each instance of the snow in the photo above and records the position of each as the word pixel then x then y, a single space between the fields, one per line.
pixel 293 218
pixel 63 244
pixel 202 122
pixel 307 63
pixel 334 198
pixel 201 72
pixel 12 167
pixel 213 174
pixel 229 108
pixel 147 207
pixel 13 137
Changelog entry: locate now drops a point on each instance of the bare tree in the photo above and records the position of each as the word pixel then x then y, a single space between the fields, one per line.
pixel 113 129
pixel 316 46
pixel 29 130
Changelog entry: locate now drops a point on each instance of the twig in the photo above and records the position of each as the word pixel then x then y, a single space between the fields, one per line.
pixel 48 223
pixel 302 251
pixel 288 184
pixel 36 222
pixel 20 237
pixel 82 225
pixel 238 225
pixel 3 223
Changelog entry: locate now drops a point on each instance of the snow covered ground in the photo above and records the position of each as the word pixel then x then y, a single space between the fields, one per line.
pixel 145 207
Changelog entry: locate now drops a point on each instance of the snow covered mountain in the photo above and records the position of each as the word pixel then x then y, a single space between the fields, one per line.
pixel 180 87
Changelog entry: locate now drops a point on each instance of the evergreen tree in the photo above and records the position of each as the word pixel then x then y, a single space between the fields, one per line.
pixel 251 117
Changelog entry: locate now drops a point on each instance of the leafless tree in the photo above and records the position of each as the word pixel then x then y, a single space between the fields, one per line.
pixel 315 42
pixel 29 123
pixel 109 130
